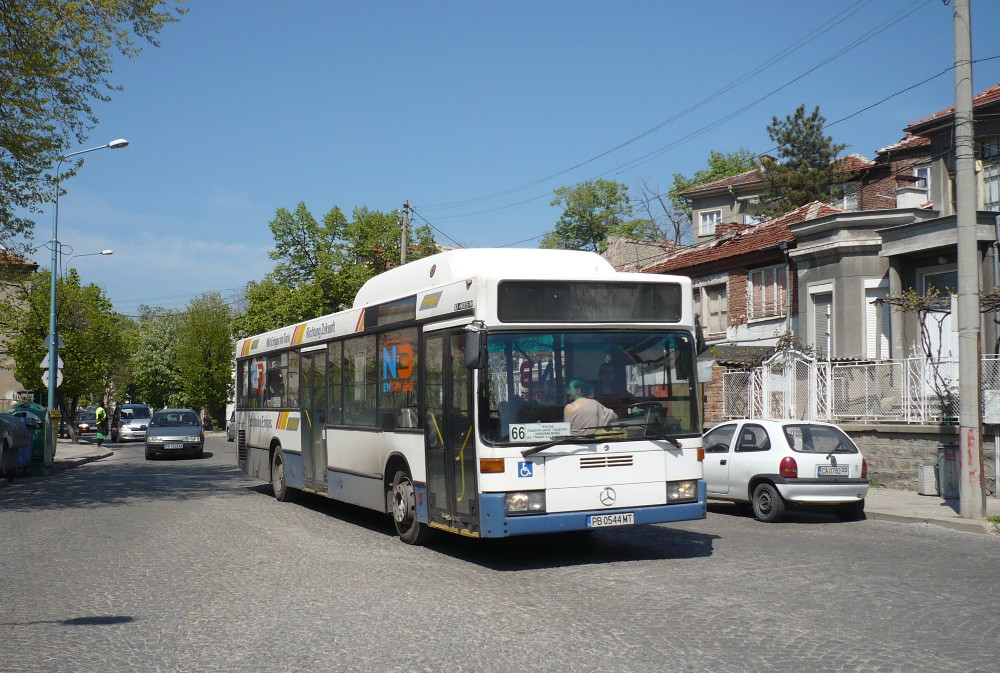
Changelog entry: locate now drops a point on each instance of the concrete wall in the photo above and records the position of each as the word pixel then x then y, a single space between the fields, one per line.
pixel 895 452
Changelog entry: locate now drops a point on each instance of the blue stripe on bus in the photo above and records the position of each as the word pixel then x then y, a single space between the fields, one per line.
pixel 496 524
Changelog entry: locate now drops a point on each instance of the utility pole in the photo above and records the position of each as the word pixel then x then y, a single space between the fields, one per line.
pixel 406 228
pixel 972 497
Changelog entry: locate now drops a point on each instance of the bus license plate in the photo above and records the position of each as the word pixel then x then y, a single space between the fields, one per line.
pixel 834 470
pixel 604 520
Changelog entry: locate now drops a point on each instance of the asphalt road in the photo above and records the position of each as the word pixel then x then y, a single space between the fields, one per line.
pixel 186 565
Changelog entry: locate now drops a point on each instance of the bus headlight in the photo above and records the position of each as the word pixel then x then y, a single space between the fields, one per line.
pixel 526 502
pixel 682 491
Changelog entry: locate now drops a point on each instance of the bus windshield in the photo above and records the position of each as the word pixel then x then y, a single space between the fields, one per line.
pixel 645 379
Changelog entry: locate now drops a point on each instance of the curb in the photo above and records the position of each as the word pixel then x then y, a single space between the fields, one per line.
pixel 964 525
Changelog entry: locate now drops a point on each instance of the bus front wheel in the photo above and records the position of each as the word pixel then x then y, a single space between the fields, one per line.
pixel 404 511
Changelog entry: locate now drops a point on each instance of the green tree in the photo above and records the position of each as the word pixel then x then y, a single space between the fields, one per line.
pixel 94 338
pixel 806 169
pixel 55 61
pixel 720 165
pixel 156 378
pixel 204 354
pixel 593 211
pixel 322 264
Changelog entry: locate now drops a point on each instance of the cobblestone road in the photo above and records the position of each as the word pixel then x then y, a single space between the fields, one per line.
pixel 185 565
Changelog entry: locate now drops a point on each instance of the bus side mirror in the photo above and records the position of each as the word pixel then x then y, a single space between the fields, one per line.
pixel 475 349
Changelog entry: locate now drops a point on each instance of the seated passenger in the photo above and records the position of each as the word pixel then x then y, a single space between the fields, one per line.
pixel 585 414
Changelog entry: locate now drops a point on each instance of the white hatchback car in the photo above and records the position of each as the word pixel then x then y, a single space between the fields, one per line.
pixel 772 464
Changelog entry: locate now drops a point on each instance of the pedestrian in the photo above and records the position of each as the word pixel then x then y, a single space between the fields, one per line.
pixel 102 423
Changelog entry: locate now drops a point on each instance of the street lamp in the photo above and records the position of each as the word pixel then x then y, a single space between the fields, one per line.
pixel 53 336
pixel 64 267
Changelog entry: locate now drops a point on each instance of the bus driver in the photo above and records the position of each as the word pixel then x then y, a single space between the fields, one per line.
pixel 585 414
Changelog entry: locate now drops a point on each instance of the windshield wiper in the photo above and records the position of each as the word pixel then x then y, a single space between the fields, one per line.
pixel 649 433
pixel 565 439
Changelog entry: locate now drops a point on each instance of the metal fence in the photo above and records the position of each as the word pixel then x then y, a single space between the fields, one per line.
pixel 794 385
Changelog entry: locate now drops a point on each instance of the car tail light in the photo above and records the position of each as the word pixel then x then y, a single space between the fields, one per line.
pixel 789 468
pixel 864 468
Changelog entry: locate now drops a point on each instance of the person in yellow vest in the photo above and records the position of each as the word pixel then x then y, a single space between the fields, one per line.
pixel 102 424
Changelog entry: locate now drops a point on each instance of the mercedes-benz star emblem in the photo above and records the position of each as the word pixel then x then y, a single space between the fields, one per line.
pixel 608 496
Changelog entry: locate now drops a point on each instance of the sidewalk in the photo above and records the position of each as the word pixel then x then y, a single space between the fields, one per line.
pixel 886 504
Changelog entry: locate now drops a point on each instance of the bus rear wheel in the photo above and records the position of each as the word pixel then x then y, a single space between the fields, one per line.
pixel 404 511
pixel 282 493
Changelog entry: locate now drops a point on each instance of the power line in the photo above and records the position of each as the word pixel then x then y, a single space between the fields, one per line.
pixel 828 25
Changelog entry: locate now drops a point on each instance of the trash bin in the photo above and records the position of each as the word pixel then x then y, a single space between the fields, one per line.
pixel 947 466
pixel 16 441
pixel 41 422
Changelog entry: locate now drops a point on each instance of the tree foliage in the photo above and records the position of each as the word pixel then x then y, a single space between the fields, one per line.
pixel 322 264
pixel 95 340
pixel 720 165
pixel 204 347
pixel 806 169
pixel 156 378
pixel 593 211
pixel 55 61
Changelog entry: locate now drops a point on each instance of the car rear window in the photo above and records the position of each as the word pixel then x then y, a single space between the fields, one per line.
pixel 135 412
pixel 808 438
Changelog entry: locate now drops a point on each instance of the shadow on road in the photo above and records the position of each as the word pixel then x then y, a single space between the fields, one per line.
pixel 119 482
pixel 533 552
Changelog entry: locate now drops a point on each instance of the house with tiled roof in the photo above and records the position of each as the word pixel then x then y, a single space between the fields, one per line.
pixel 737 199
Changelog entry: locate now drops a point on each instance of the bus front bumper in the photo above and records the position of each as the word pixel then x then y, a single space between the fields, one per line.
pixel 495 522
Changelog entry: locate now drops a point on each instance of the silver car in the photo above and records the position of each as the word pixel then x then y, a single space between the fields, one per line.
pixel 129 421
pixel 175 431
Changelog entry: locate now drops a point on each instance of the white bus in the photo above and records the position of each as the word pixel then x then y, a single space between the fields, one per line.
pixel 441 397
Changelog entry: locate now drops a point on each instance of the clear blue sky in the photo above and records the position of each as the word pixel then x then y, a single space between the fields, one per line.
pixel 474 111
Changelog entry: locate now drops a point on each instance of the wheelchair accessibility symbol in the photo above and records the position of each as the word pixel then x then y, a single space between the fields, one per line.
pixel 525 469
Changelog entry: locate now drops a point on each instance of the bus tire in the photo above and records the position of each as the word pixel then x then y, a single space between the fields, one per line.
pixel 282 493
pixel 404 511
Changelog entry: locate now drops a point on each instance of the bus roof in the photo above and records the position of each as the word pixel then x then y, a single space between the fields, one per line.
pixel 455 265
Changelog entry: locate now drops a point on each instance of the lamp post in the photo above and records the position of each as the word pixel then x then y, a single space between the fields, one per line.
pixel 87 254
pixel 53 336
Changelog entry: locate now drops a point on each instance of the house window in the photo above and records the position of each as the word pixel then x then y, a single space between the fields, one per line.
pixel 822 324
pixel 767 292
pixel 923 173
pixel 714 309
pixel 848 196
pixel 708 221
pixel 991 187
pixel 877 323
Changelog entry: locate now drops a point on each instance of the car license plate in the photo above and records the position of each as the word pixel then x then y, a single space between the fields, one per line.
pixel 604 520
pixel 834 470
pixel 174 445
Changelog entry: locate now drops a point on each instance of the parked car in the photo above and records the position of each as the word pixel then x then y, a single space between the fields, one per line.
pixel 175 431
pixel 774 464
pixel 129 421
pixel 231 428
pixel 86 421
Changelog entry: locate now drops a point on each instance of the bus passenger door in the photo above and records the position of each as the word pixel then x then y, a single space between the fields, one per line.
pixel 313 391
pixel 449 434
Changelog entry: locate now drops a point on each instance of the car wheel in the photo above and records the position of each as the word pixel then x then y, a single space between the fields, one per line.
pixel 767 503
pixel 404 511
pixel 282 493
pixel 150 454
pixel 200 453
pixel 852 511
